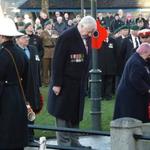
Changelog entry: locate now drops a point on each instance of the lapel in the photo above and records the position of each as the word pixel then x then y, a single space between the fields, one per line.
pixel 31 53
pixel 80 41
pixel 130 39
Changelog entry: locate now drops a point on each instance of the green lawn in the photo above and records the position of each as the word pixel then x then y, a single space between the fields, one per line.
pixel 45 119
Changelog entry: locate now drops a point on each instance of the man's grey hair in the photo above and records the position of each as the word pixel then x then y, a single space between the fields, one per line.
pixel 88 22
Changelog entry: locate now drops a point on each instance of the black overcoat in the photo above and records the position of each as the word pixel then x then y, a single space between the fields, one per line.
pixel 33 82
pixel 107 57
pixel 13 112
pixel 69 70
pixel 132 92
pixel 36 41
pixel 127 49
pixel 119 58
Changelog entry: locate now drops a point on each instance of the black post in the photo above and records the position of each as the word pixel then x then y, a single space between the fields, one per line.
pixel 95 82
pixel 82 8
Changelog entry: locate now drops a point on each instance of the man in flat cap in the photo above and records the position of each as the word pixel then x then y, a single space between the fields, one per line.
pixel 130 43
pixel 119 31
pixel 123 33
pixel 20 25
pixel 33 81
pixel 38 30
pixel 34 39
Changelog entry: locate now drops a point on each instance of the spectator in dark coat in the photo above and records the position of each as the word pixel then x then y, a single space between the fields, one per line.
pixel 107 64
pixel 101 19
pixel 43 17
pixel 33 77
pixel 60 25
pixel 129 20
pixel 69 73
pixel 134 88
pixel 130 44
pixel 108 19
pixel 123 31
pixel 140 17
pixel 13 111
pixel 116 23
pixel 34 40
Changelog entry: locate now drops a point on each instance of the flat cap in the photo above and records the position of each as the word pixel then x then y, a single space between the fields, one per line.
pixel 38 27
pixel 121 28
pixel 20 24
pixel 134 27
pixel 27 25
pixel 47 22
pixel 22 31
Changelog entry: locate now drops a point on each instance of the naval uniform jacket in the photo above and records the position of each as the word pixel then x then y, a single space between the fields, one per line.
pixel 69 70
pixel 132 93
pixel 13 112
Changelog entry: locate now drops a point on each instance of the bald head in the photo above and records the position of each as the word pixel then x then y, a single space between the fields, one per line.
pixel 144 50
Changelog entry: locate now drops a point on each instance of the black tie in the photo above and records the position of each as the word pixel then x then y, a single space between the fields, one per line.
pixel 136 41
pixel 86 44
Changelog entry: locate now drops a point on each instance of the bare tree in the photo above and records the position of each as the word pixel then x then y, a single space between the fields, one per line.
pixel 45 6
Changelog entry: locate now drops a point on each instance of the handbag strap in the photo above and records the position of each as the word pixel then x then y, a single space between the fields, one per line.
pixel 18 76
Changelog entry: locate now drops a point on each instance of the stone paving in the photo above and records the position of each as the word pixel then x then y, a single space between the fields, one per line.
pixel 97 142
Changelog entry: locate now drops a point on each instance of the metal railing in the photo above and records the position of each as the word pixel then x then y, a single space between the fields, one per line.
pixel 141 137
pixel 73 130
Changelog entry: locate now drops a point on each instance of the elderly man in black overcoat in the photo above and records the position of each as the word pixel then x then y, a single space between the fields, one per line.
pixel 33 82
pixel 69 74
pixel 133 92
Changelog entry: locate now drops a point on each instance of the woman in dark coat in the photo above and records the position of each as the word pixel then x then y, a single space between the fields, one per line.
pixel 134 88
pixel 13 111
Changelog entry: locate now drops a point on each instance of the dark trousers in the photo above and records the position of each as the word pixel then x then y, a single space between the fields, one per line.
pixel 107 86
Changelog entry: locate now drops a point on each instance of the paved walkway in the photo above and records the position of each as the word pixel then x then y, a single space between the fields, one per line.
pixel 97 142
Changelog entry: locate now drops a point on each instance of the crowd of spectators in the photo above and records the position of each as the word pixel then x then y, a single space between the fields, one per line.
pixel 62 21
pixel 119 24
